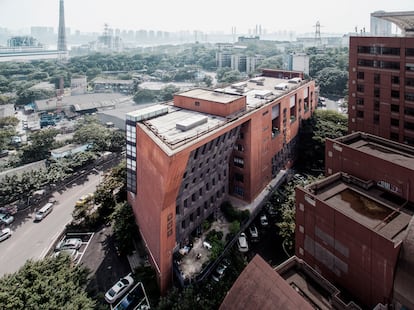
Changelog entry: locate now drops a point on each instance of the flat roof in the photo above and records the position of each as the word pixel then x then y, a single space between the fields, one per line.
pixel 397 153
pixel 256 87
pixel 258 91
pixel 165 126
pixel 368 205
pixel 211 95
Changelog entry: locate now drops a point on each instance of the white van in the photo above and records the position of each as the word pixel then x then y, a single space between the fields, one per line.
pixel 45 210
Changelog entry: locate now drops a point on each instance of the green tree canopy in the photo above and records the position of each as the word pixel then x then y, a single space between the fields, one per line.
pixel 41 142
pixel 323 124
pixel 332 81
pixel 52 283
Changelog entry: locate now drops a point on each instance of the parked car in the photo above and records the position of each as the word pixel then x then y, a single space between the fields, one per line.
pixel 6 218
pixel 219 271
pixel 73 254
pixel 5 233
pixel 119 288
pixel 84 199
pixel 67 244
pixel 254 234
pixel 242 243
pixel 45 210
pixel 263 220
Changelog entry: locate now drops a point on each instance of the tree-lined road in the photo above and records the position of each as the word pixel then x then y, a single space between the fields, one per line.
pixel 31 240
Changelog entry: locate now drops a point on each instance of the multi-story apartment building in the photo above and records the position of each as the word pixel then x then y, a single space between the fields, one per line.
pixel 186 157
pixel 351 226
pixel 381 83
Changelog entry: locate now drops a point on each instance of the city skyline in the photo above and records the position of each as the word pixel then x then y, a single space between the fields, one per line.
pixel 90 16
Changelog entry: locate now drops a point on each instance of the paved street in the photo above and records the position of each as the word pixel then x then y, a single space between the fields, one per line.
pixel 31 240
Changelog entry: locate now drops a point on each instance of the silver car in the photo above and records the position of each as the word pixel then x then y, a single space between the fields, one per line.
pixel 68 244
pixel 5 233
pixel 6 218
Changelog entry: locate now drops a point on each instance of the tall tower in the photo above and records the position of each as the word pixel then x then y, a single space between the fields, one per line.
pixel 318 40
pixel 61 46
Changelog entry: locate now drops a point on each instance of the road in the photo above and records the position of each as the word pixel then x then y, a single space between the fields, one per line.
pixel 31 240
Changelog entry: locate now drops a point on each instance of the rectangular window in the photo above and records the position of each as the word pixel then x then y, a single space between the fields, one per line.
pixel 239 177
pixel 395 122
pixel 395 94
pixel 376 119
pixel 409 125
pixel 238 162
pixel 239 191
pixel 395 108
pixel 395 79
pixel 394 136
pixel 376 105
pixel 360 88
pixel 377 78
pixel 376 92
pixel 360 114
pixel 360 75
pixel 409 52
pixel 409 96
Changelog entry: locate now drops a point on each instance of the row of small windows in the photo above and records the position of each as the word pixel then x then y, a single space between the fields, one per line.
pixel 208 146
pixel 393 65
pixel 213 181
pixel 380 50
pixel 394 94
pixel 198 195
pixel 393 122
pixel 377 79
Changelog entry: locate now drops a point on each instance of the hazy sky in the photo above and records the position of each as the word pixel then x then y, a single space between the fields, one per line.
pixel 209 15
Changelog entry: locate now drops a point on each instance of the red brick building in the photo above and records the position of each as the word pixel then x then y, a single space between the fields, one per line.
pixel 381 87
pixel 350 226
pixel 184 158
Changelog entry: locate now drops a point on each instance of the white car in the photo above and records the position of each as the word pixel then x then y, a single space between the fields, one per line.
pixel 119 288
pixel 6 218
pixel 242 243
pixel 67 244
pixel 5 233
pixel 254 234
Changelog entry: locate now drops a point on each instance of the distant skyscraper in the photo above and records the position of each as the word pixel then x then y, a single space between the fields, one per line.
pixel 61 32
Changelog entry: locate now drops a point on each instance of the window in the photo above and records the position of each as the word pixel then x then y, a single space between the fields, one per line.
pixel 239 191
pixel 376 92
pixel 239 147
pixel 376 105
pixel 197 103
pixel 238 162
pixel 360 88
pixel 409 125
pixel 409 96
pixel 395 94
pixel 360 114
pixel 395 79
pixel 395 122
pixel 395 108
pixel 409 52
pixel 377 78
pixel 360 101
pixel 360 75
pixel 376 119
pixel 239 177
pixel 409 82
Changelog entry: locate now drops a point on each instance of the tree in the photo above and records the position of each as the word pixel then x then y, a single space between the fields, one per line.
pixel 41 142
pixel 91 131
pixel 167 93
pixel 52 283
pixel 144 95
pixel 332 81
pixel 124 227
pixel 323 124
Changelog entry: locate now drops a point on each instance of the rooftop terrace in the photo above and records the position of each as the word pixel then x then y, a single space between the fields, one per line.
pixel 388 150
pixel 365 203
pixel 175 126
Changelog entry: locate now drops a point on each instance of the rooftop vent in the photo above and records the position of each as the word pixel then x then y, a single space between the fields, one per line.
pixel 191 122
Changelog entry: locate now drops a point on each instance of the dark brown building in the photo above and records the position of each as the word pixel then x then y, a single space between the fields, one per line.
pixel 186 157
pixel 381 87
pixel 350 226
